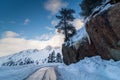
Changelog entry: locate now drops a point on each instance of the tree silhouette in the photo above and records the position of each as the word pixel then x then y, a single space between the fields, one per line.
pixel 51 57
pixel 114 1
pixel 59 58
pixel 87 6
pixel 65 17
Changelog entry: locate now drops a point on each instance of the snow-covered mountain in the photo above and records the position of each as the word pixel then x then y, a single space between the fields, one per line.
pixel 31 56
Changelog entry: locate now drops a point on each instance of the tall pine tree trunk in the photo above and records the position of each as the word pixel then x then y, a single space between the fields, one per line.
pixel 65 30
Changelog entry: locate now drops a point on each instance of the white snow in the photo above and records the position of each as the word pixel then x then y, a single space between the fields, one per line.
pixel 20 72
pixel 36 55
pixel 93 68
pixel 80 34
pixel 78 37
pixel 46 73
pixel 104 6
pixel 16 73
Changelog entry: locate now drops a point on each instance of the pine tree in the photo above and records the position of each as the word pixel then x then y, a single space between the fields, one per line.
pixel 114 1
pixel 87 6
pixel 59 58
pixel 65 17
pixel 51 57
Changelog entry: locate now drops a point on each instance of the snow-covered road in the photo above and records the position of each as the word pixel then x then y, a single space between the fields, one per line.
pixel 46 73
pixel 93 68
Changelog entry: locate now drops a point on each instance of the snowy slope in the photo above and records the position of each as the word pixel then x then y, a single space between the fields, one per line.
pixel 31 56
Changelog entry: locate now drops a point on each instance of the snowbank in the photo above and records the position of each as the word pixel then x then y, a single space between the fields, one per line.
pixel 21 72
pixel 91 69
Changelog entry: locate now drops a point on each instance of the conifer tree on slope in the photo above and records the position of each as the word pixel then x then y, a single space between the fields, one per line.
pixel 51 57
pixel 65 17
pixel 87 7
pixel 59 58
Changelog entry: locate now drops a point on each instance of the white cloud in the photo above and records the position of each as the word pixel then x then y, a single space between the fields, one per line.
pixel 9 34
pixel 54 23
pixel 54 5
pixel 10 45
pixel 26 21
pixel 44 37
pixel 77 23
pixel 49 28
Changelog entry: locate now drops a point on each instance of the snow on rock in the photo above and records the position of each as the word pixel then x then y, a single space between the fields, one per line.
pixel 78 37
pixel 82 33
pixel 91 69
pixel 104 6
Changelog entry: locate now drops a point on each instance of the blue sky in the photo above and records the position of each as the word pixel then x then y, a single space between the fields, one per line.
pixel 30 18
pixel 29 24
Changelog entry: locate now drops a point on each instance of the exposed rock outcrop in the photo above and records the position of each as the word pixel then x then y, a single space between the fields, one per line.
pixel 72 54
pixel 104 32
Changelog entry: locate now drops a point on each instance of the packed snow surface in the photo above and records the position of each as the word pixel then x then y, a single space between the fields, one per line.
pixel 20 72
pixel 93 68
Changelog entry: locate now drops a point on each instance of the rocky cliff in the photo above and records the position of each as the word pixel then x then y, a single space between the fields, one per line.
pixel 104 32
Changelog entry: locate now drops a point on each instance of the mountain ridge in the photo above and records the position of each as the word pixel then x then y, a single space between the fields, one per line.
pixel 29 56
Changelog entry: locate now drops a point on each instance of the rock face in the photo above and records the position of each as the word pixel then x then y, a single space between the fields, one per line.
pixel 72 55
pixel 69 54
pixel 104 32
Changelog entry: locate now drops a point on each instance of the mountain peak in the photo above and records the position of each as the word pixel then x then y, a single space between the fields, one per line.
pixel 30 56
pixel 49 48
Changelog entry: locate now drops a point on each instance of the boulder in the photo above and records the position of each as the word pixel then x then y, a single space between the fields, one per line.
pixel 72 54
pixel 69 54
pixel 104 32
